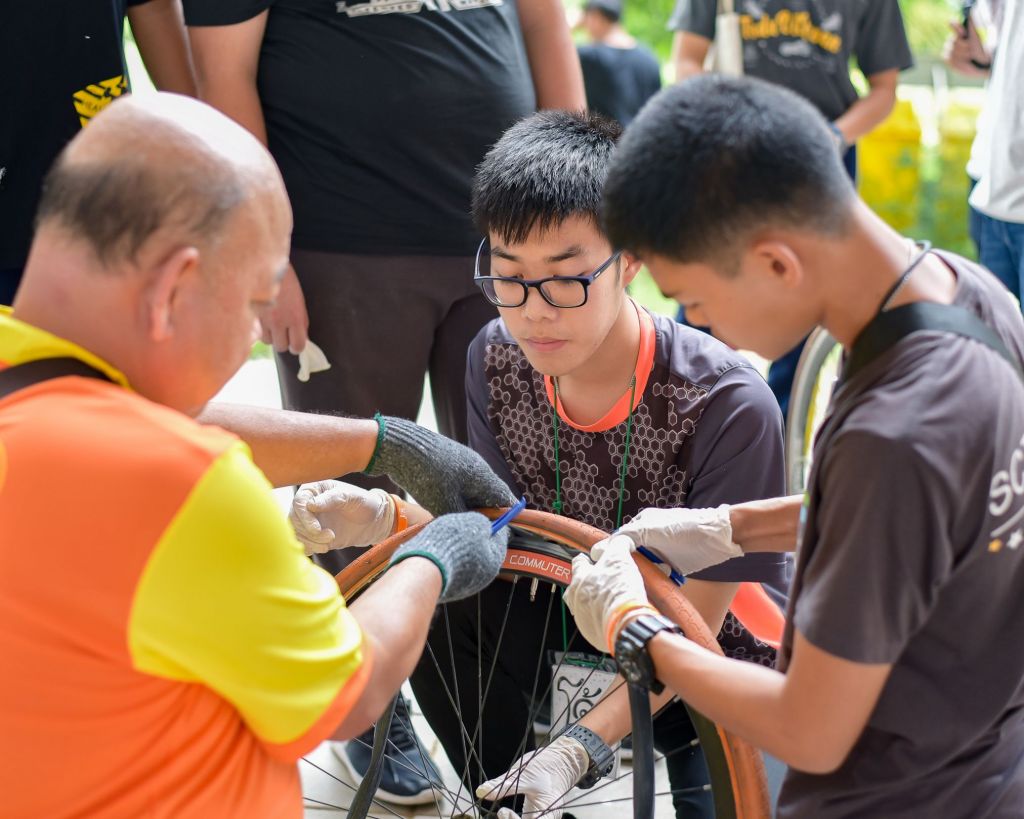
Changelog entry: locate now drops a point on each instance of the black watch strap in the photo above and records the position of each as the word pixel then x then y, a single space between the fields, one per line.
pixel 602 757
pixel 631 650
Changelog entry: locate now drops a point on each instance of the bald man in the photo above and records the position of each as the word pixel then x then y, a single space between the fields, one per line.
pixel 176 653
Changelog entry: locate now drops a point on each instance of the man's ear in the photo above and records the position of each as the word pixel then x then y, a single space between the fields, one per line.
pixel 631 265
pixel 163 296
pixel 778 260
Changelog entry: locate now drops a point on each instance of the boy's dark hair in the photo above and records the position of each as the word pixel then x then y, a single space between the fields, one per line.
pixel 711 160
pixel 544 169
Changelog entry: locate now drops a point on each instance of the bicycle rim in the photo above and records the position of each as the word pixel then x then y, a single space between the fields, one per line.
pixel 540 554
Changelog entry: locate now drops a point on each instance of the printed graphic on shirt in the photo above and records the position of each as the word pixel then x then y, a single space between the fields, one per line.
pixel 1005 498
pixel 797 35
pixel 96 96
pixel 375 7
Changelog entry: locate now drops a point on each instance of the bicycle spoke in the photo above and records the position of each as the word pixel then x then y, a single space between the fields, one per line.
pixel 348 785
pixel 478 729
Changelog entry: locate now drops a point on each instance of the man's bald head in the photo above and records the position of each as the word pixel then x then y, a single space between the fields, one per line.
pixel 157 162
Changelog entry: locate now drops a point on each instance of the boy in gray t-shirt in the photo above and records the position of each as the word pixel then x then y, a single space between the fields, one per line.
pixel 900 686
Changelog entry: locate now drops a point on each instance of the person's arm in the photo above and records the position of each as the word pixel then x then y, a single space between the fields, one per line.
pixel 297 447
pixel 227 60
pixel 554 64
pixel 394 615
pixel 769 525
pixel 159 30
pixel 689 51
pixel 868 112
pixel 810 717
pixel 965 53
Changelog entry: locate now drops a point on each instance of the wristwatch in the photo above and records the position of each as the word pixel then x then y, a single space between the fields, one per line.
pixel 631 649
pixel 602 757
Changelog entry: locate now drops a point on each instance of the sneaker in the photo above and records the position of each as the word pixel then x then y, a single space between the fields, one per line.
pixel 407 772
pixel 626 749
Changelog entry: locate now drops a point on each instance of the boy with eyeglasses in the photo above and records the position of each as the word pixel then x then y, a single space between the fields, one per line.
pixel 650 413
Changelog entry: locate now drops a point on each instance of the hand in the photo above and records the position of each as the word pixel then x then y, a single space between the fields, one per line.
pixel 961 48
pixel 602 594
pixel 544 777
pixel 442 475
pixel 334 515
pixel 687 539
pixel 286 322
pixel 463 549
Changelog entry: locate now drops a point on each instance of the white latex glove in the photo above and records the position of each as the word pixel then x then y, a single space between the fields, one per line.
pixel 603 592
pixel 544 777
pixel 334 515
pixel 687 539
pixel 311 360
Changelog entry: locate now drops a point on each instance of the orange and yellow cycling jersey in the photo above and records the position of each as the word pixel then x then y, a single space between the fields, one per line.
pixel 168 650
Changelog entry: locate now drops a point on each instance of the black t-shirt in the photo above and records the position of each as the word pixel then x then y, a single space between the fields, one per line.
pixel 63 61
pixel 619 80
pixel 378 113
pixel 806 45
pixel 911 555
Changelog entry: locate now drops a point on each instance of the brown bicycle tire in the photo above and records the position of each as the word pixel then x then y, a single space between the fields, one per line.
pixel 744 762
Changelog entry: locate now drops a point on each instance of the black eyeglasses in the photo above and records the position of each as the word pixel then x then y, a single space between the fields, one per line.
pixel 558 291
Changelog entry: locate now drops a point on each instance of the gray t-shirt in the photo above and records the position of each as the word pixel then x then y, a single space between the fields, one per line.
pixel 911 555
pixel 806 45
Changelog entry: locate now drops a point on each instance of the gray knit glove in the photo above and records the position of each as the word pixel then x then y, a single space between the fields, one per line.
pixel 463 548
pixel 443 476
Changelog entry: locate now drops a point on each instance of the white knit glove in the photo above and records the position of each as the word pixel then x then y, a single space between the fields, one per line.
pixel 687 539
pixel 545 777
pixel 603 592
pixel 334 515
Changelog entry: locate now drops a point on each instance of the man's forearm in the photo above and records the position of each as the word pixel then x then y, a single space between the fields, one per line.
pixel 297 447
pixel 769 525
pixel 742 697
pixel 394 615
pixel 869 111
pixel 554 64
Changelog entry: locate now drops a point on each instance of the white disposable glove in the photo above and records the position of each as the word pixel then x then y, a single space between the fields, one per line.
pixel 334 515
pixel 601 594
pixel 687 539
pixel 544 777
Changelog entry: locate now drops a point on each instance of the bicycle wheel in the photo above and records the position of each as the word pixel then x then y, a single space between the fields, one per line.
pixel 541 549
pixel 816 374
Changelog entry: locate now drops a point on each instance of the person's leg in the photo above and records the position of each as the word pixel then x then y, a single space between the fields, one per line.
pixel 780 376
pixel 10 278
pixel 973 218
pixel 688 775
pixel 850 162
pixel 998 252
pixel 1015 231
pixel 467 314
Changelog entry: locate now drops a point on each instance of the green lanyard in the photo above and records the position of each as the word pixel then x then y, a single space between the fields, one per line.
pixel 556 507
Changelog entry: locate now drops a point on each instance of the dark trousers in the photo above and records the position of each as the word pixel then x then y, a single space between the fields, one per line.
pixel 384 322
pixel 10 278
pixel 513 696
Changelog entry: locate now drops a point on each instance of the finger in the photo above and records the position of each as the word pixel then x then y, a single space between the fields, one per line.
pixel 279 337
pixel 617 547
pixel 507 813
pixel 307 525
pixel 297 338
pixel 498 788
